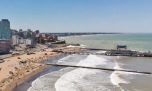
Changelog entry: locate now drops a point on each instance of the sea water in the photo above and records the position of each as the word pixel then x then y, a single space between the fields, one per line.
pixel 140 42
pixel 81 79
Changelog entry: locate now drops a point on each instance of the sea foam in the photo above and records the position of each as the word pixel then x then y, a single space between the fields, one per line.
pixel 81 46
pixel 77 79
pixel 74 80
pixel 121 77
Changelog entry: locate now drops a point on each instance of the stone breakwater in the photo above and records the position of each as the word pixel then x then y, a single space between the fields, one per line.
pixel 107 52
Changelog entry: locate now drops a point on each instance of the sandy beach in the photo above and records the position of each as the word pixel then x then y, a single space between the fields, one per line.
pixel 16 69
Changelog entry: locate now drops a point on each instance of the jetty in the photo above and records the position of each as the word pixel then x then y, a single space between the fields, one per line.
pixel 107 52
pixel 99 68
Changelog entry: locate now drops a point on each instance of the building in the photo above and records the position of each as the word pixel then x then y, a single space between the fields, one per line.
pixel 120 47
pixel 15 40
pixel 5 31
pixel 46 37
pixel 5 36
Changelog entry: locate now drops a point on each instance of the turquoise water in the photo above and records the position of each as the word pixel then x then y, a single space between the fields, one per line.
pixel 140 42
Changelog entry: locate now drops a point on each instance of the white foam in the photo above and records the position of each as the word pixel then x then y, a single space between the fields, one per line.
pixel 71 80
pixel 117 66
pixel 81 46
pixel 74 80
pixel 101 52
pixel 72 46
pixel 116 76
pixel 116 80
pixel 37 85
pixel 93 61
pixel 65 58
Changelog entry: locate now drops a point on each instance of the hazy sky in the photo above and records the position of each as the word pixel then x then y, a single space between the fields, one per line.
pixel 79 15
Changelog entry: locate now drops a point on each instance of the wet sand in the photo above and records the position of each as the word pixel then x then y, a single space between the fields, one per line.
pixel 27 83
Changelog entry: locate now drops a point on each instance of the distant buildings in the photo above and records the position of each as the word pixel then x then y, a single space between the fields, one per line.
pixel 27 37
pixel 5 31
pixel 47 37
pixel 5 36
pixel 9 38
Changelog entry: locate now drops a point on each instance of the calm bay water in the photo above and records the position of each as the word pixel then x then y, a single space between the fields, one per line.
pixel 142 42
pixel 80 79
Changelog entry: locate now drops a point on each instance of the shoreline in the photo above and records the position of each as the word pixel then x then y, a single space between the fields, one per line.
pixel 27 82
pixel 17 69
pixel 16 83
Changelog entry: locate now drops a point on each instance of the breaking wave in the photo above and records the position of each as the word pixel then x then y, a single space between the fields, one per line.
pixel 81 79
pixel 74 80
pixel 120 77
pixel 81 46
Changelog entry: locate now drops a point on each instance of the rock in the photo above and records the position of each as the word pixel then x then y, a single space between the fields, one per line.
pixel 23 62
pixel 1 61
pixel 10 72
pixel 18 58
pixel 15 68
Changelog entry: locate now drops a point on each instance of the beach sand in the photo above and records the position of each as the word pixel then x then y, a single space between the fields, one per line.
pixel 19 68
pixel 16 69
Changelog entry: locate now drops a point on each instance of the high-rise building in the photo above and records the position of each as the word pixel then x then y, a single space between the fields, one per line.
pixel 5 31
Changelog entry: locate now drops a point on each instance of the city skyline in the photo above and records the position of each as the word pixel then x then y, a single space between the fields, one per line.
pixel 126 16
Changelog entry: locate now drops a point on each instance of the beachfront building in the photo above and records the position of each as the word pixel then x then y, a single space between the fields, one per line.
pixel 5 31
pixel 47 37
pixel 5 36
pixel 27 38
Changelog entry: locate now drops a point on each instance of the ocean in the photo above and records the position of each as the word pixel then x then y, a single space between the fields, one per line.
pixel 140 42
pixel 82 79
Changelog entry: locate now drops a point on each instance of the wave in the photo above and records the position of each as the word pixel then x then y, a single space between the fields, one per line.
pixel 101 51
pixel 74 80
pixel 65 58
pixel 38 84
pixel 93 61
pixel 81 79
pixel 121 77
pixel 81 46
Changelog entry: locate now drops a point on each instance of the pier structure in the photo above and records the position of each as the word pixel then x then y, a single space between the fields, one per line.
pixel 99 68
pixel 107 52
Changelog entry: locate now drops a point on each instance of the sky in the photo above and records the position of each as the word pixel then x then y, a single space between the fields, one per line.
pixel 126 16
